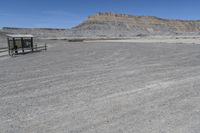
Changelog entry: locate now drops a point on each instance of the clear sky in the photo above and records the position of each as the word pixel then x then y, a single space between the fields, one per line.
pixel 68 13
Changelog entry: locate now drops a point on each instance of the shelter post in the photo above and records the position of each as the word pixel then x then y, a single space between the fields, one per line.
pixel 22 42
pixel 8 46
pixel 32 43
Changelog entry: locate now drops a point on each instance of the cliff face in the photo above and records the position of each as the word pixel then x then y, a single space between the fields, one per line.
pixel 117 25
pixel 122 25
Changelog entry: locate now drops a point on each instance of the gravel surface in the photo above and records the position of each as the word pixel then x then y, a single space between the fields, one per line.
pixel 103 88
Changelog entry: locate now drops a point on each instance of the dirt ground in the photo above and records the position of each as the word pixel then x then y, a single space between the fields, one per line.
pixel 107 87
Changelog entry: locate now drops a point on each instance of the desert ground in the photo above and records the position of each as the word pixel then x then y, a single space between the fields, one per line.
pixel 102 87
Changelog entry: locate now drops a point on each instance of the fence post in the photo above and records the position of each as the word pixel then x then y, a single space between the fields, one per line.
pixel 45 46
pixel 32 44
pixel 8 46
pixel 36 47
pixel 22 42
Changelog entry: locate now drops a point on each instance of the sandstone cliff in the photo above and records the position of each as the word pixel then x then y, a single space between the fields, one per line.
pixel 122 25
pixel 110 25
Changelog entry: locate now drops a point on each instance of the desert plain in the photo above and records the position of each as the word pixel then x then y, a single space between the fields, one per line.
pixel 125 74
pixel 102 87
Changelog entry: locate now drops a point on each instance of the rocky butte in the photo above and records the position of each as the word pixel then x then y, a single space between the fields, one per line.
pixel 122 25
pixel 111 25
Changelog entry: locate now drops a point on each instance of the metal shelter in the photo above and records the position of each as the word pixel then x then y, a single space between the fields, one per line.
pixel 20 44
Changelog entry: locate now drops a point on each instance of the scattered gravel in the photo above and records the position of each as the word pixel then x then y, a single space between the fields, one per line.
pixel 102 87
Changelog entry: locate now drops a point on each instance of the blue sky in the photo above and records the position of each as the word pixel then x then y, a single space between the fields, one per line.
pixel 69 13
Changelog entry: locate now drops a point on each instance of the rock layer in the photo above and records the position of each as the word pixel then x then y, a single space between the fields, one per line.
pixel 122 25
pixel 110 25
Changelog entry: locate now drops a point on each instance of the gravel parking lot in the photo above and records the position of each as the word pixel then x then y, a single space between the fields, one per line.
pixel 107 87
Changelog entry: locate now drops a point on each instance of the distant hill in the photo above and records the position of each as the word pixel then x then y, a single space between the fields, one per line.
pixel 122 25
pixel 37 32
pixel 111 25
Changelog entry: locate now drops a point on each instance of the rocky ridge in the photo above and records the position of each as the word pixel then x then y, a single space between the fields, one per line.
pixel 111 25
pixel 122 25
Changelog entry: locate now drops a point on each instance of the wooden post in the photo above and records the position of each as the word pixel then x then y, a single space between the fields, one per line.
pixel 36 47
pixel 22 42
pixel 15 47
pixel 45 46
pixel 32 44
pixel 8 46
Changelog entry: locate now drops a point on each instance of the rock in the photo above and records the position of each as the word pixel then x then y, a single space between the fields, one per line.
pixel 110 25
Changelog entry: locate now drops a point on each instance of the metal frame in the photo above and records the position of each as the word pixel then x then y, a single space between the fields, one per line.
pixel 22 38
